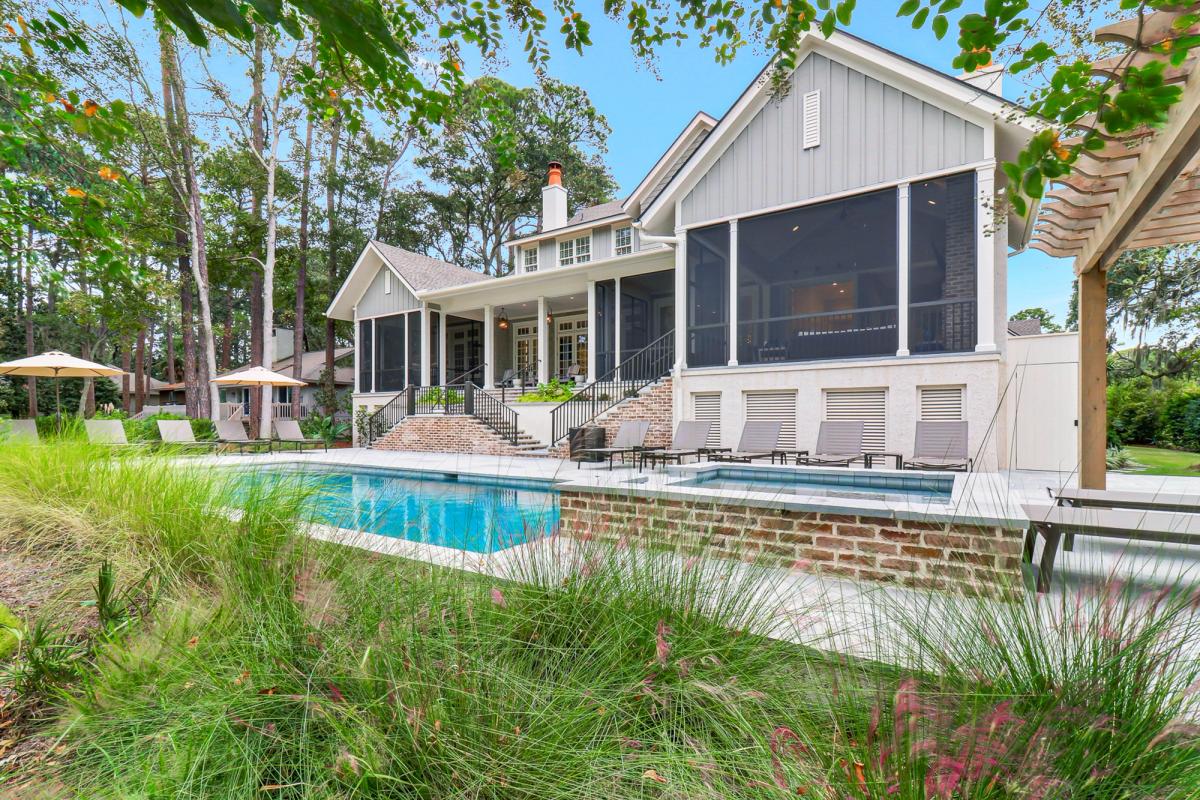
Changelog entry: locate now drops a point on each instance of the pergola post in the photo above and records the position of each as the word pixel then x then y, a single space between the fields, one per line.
pixel 1093 378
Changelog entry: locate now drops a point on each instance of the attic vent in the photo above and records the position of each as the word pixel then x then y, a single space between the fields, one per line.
pixel 812 119
pixel 869 405
pixel 387 281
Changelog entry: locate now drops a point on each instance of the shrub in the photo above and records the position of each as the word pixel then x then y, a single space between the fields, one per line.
pixel 1134 407
pixel 1180 419
pixel 328 429
pixel 555 391
pixel 10 628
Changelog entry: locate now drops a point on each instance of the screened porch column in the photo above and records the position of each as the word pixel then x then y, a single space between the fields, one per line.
pixel 442 348
pixel 681 299
pixel 733 293
pixel 489 348
pixel 618 357
pixel 593 331
pixel 985 259
pixel 903 214
pixel 425 365
pixel 543 340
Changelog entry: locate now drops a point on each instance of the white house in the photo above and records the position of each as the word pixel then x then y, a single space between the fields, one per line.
pixel 833 250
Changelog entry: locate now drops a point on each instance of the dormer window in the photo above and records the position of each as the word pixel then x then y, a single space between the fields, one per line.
pixel 623 241
pixel 575 251
pixel 529 259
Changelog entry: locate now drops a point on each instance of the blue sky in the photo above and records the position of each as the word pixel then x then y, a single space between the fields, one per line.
pixel 646 110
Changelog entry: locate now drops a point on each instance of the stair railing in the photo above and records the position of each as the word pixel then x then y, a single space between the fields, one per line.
pixel 491 411
pixel 627 379
pixel 386 417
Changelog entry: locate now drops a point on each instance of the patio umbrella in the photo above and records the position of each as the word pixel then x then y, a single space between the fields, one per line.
pixel 56 364
pixel 258 376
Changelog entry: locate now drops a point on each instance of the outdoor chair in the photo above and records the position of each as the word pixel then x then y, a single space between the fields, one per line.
pixel 760 439
pixel 106 431
pixel 287 431
pixel 178 433
pixel 233 432
pixel 22 430
pixel 507 378
pixel 629 440
pixel 839 444
pixel 941 445
pixel 1054 522
pixel 689 440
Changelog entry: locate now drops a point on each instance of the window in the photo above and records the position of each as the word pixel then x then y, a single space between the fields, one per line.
pixel 529 259
pixel 706 407
pixel 819 281
pixel 575 251
pixel 771 406
pixel 869 405
pixel 366 334
pixel 940 403
pixel 708 296
pixel 941 266
pixel 623 241
pixel 390 353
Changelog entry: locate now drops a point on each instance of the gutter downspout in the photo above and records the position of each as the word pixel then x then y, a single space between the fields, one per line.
pixel 649 238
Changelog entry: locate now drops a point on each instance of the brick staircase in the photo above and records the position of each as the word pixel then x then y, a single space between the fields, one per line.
pixel 438 433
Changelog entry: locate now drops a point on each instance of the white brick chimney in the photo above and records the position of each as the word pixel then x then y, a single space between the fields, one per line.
pixel 554 199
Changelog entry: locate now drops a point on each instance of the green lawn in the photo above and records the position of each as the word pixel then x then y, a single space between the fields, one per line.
pixel 1159 461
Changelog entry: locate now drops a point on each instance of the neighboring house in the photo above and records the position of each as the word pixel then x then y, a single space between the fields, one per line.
pixel 830 251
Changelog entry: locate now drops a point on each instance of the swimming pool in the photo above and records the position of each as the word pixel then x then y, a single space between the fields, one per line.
pixel 464 512
pixel 849 484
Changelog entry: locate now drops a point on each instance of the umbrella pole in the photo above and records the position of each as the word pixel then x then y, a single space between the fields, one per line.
pixel 57 405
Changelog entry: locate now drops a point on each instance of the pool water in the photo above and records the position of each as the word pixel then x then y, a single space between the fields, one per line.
pixel 475 514
pixel 849 484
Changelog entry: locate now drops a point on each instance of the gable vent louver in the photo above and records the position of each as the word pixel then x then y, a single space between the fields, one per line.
pixel 812 119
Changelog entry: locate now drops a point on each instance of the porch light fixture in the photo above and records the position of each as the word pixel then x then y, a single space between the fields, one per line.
pixel 502 323
pixel 549 315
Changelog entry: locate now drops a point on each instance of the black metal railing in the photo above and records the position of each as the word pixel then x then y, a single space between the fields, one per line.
pixel 644 367
pixel 942 326
pixel 385 418
pixel 826 335
pixel 449 400
pixel 491 411
pixel 462 378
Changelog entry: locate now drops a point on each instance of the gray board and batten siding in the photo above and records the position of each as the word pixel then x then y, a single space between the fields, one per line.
pixel 871 133
pixel 376 301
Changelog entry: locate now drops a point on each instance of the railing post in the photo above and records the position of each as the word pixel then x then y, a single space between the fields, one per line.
pixel 468 398
pixel 410 399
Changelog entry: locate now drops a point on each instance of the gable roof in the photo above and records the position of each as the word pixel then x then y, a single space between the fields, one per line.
pixel 416 272
pixel 670 162
pixel 1024 327
pixel 593 213
pixel 925 82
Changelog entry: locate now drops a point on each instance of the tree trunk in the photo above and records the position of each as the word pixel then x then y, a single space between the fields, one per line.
pixel 261 350
pixel 302 269
pixel 191 384
pixel 143 387
pixel 125 366
pixel 331 261
pixel 169 336
pixel 180 128
pixel 139 375
pixel 227 333
pixel 30 383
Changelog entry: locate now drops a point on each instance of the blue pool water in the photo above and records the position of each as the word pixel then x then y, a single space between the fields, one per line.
pixel 476 514
pixel 850 484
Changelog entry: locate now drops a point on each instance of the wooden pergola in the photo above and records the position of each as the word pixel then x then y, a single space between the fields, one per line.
pixel 1141 190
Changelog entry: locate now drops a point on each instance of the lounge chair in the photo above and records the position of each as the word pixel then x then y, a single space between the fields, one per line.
pixel 105 431
pixel 233 432
pixel 760 439
pixel 941 444
pixel 21 430
pixel 839 444
pixel 689 440
pixel 629 440
pixel 287 431
pixel 178 433
pixel 1053 522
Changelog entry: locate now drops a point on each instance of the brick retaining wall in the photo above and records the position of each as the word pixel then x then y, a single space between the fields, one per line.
pixel 442 434
pixel 908 552
pixel 655 404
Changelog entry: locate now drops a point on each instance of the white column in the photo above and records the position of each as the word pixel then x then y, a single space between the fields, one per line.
pixel 903 216
pixel 617 325
pixel 543 330
pixel 489 348
pixel 442 348
pixel 985 259
pixel 681 300
pixel 426 367
pixel 733 292
pixel 593 331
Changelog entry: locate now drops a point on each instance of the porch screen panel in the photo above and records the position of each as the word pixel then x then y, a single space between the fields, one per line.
pixel 708 296
pixel 389 353
pixel 414 350
pixel 366 331
pixel 604 327
pixel 942 278
pixel 819 282
pixel 435 349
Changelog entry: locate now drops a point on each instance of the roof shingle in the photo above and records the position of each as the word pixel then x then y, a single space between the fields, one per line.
pixel 424 273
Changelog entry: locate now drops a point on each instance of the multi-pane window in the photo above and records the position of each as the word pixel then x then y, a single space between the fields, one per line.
pixel 529 259
pixel 575 251
pixel 623 241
